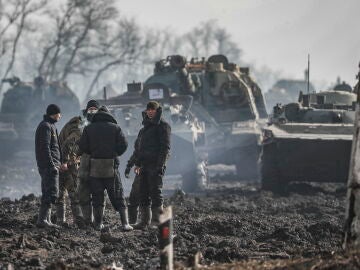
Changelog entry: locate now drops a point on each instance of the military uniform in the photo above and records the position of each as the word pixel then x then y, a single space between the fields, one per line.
pixel 84 192
pixel 68 181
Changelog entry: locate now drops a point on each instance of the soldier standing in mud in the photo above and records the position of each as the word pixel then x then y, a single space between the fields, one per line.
pixel 151 153
pixel 68 181
pixel 49 162
pixel 104 141
pixel 84 192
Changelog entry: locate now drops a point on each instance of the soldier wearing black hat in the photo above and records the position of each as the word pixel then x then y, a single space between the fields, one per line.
pixel 104 141
pixel 84 192
pixel 151 152
pixel 49 161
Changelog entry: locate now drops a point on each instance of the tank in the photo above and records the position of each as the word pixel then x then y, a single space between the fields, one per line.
pixel 309 140
pixel 227 100
pixel 188 157
pixel 23 106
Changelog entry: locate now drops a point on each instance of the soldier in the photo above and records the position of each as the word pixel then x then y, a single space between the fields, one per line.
pixel 48 158
pixel 69 138
pixel 151 153
pixel 104 141
pixel 84 192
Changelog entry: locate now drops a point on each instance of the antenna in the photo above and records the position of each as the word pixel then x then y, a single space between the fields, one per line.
pixel 357 87
pixel 308 75
pixel 105 94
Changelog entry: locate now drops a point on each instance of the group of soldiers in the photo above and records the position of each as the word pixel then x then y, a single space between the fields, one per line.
pixel 83 160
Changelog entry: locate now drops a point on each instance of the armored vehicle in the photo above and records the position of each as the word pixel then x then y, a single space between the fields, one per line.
pixel 309 140
pixel 188 133
pixel 226 99
pixel 23 106
pixel 286 91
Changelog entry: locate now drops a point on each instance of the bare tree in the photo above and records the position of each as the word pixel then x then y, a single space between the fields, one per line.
pixel 13 23
pixel 208 38
pixel 226 46
pixel 77 26
pixel 123 48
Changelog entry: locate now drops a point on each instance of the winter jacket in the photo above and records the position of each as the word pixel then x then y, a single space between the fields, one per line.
pixel 152 146
pixel 47 148
pixel 103 138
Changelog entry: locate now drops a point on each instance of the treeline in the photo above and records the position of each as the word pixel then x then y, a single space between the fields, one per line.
pixel 91 43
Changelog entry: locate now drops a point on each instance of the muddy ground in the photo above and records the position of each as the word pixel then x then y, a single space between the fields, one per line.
pixel 231 222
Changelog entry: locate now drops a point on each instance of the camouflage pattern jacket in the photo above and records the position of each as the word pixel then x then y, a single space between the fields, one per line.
pixel 69 138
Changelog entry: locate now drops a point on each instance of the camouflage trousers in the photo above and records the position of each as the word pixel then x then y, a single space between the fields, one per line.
pixel 68 183
pixel 84 192
pixel 85 198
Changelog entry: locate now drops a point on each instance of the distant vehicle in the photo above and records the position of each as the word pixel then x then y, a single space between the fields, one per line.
pixel 310 140
pixel 227 99
pixel 23 107
pixel 188 133
pixel 286 91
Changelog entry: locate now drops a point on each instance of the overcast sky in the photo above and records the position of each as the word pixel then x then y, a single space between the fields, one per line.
pixel 275 33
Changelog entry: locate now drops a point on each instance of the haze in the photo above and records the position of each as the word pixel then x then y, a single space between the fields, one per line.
pixel 278 34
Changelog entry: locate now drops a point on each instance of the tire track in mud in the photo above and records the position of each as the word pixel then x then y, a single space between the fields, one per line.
pixel 224 224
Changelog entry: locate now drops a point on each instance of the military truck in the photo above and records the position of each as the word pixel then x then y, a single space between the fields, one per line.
pixel 227 99
pixel 23 106
pixel 309 140
pixel 188 133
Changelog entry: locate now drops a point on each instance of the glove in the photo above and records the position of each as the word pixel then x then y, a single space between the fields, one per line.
pixel 127 171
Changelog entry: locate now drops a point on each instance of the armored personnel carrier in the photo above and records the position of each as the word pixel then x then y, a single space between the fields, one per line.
pixel 23 106
pixel 309 140
pixel 286 91
pixel 188 133
pixel 227 99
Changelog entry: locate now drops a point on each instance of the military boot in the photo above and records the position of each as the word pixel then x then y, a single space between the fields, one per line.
pixel 49 220
pixel 60 214
pixel 87 213
pixel 133 214
pixel 145 218
pixel 77 215
pixel 98 218
pixel 44 220
pixel 156 212
pixel 125 220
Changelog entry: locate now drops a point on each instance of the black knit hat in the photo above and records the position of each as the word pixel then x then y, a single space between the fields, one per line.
pixel 92 103
pixel 52 109
pixel 153 105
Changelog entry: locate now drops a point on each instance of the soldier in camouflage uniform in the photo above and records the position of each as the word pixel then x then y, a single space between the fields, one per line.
pixel 68 181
